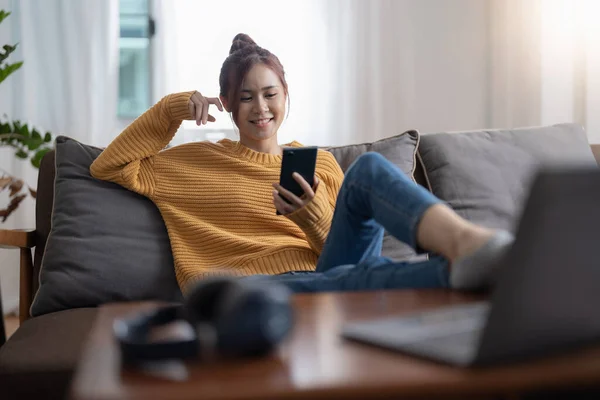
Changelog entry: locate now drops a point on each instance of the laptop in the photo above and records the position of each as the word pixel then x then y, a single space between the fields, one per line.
pixel 547 293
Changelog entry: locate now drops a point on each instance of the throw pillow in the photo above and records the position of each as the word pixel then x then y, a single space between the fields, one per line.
pixel 401 150
pixel 485 175
pixel 105 244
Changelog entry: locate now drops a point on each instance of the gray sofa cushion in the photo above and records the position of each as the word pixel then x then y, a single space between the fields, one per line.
pixel 485 175
pixel 400 150
pixel 106 243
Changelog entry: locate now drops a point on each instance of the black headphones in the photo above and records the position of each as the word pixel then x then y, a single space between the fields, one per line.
pixel 230 317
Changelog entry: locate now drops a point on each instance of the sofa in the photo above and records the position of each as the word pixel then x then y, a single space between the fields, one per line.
pixel 483 175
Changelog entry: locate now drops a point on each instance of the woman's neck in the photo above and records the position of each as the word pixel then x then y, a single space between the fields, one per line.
pixel 269 146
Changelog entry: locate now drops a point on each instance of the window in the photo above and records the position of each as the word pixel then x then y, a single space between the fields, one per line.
pixel 136 31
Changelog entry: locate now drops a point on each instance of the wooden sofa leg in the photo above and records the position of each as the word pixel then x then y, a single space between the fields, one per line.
pixel 25 295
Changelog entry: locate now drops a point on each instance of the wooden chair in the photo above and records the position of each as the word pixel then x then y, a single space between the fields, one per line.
pixel 24 240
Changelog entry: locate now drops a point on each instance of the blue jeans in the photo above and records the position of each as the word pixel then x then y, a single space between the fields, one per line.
pixel 374 196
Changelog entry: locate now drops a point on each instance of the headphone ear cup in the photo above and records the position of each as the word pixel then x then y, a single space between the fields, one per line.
pixel 252 318
pixel 204 300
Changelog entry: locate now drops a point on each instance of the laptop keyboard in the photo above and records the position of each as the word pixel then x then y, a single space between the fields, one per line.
pixel 453 323
pixel 451 333
pixel 459 339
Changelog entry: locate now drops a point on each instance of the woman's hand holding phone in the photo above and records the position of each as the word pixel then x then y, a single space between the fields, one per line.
pixel 295 202
pixel 198 106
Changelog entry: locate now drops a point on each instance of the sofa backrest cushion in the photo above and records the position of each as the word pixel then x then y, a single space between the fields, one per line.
pixel 485 175
pixel 106 243
pixel 401 150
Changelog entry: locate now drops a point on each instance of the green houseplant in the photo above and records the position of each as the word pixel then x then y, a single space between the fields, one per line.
pixel 28 143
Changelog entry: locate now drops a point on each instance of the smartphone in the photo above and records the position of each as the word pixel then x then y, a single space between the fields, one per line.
pixel 301 160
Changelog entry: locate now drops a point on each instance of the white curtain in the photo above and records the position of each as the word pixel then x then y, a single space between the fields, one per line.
pixel 70 77
pixel 398 65
pixel 515 63
pixel 67 85
pixel 545 63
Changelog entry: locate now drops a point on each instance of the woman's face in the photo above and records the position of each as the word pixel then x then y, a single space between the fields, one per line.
pixel 262 104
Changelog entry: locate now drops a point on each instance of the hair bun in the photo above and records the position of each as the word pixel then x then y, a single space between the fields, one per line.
pixel 240 41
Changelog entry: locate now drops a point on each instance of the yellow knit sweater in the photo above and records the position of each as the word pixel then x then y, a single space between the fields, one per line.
pixel 215 198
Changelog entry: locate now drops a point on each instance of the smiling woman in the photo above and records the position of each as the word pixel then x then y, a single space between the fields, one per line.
pixel 231 224
pixel 254 90
pixel 223 216
pixel 261 109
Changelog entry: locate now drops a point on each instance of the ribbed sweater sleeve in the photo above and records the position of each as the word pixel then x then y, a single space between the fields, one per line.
pixel 129 159
pixel 315 218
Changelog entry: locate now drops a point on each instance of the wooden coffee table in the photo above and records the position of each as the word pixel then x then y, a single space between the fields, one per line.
pixel 314 362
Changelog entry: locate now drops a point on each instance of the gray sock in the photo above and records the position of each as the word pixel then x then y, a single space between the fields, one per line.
pixel 477 270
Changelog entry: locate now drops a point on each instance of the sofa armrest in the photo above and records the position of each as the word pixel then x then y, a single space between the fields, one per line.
pixel 25 241
pixel 17 238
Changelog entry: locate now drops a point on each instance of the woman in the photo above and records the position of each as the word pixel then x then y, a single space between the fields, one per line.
pixel 218 200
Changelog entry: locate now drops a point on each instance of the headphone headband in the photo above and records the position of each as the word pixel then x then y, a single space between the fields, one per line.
pixel 225 315
pixel 133 336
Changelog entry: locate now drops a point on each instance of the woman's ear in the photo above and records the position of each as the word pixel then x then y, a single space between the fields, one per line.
pixel 225 103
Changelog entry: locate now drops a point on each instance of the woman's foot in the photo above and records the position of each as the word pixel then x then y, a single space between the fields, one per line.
pixel 479 251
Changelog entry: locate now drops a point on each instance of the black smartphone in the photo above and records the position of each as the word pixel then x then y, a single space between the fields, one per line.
pixel 301 160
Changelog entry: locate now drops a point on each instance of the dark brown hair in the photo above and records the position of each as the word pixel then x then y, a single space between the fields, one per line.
pixel 243 55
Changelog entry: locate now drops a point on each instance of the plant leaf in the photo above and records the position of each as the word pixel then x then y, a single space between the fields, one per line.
pixel 9 69
pixel 21 154
pixel 5 128
pixel 7 50
pixel 34 144
pixel 48 137
pixel 36 140
pixel 37 158
pixel 15 186
pixel 24 130
pixel 3 14
pixel 12 206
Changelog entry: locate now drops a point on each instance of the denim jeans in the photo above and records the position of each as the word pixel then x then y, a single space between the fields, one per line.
pixel 374 196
